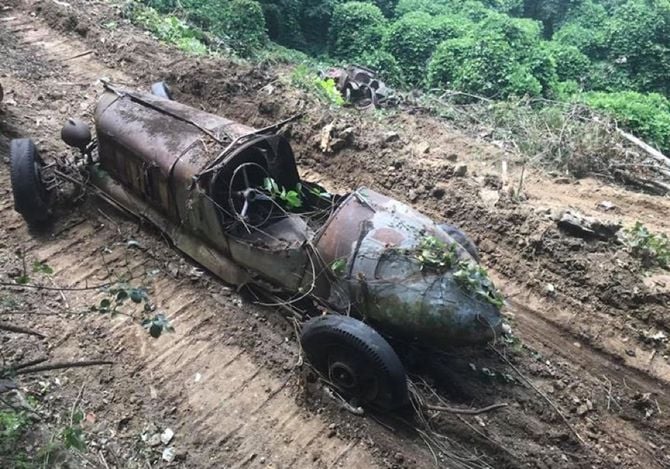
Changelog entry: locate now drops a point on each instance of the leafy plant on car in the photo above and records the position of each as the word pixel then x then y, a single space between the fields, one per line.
pixel 436 254
pixel 338 266
pixel 291 199
pixel 474 278
pixel 651 248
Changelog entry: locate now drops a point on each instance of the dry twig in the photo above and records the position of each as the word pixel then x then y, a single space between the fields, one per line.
pixel 61 365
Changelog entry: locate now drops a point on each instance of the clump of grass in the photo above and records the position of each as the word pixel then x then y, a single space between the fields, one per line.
pixel 324 89
pixel 170 29
pixel 653 249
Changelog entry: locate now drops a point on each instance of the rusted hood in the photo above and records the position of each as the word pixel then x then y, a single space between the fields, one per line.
pixel 374 240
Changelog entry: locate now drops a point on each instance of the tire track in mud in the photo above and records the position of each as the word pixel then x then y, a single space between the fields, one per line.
pixel 228 408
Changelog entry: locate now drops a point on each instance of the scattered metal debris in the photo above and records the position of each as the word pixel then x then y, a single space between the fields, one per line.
pixel 361 87
pixel 581 226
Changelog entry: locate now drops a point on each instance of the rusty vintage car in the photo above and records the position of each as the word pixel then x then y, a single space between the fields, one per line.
pixel 364 271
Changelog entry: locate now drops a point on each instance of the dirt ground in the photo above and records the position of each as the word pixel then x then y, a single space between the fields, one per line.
pixel 590 319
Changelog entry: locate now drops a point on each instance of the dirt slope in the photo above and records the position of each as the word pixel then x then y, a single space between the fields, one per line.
pixel 226 381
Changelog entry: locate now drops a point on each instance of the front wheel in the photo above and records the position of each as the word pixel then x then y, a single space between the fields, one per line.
pixel 32 199
pixel 356 360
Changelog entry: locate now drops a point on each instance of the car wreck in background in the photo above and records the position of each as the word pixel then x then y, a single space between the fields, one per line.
pixel 361 87
pixel 362 270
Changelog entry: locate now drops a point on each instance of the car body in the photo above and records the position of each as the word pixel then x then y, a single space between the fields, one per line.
pixel 219 190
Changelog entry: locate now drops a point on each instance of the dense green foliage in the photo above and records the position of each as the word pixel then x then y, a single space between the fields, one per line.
pixel 648 114
pixel 611 54
pixel 355 28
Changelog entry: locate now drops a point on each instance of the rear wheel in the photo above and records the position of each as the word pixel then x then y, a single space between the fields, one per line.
pixel 355 359
pixel 31 197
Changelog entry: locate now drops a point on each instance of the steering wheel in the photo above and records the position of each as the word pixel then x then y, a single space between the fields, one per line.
pixel 248 203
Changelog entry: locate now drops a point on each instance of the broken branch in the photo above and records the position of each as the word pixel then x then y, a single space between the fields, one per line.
pixel 20 330
pixel 651 151
pixel 456 410
pixel 61 365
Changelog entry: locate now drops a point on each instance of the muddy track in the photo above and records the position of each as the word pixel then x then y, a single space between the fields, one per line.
pixel 226 379
pixel 216 375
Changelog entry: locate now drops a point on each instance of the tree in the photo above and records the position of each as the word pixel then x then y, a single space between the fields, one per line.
pixel 315 19
pixel 282 22
pixel 549 12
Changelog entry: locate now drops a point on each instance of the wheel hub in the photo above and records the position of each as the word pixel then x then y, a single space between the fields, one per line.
pixel 343 376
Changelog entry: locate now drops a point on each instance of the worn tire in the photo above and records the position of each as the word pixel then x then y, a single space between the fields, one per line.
pixel 462 239
pixel 31 198
pixel 336 344
pixel 160 88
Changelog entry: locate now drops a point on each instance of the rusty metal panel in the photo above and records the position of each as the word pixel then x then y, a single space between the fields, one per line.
pixel 389 287
pixel 210 257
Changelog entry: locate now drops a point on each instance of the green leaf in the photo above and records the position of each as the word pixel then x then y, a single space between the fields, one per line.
pixel 137 295
pixel 105 303
pixel 338 266
pixel 121 296
pixel 78 416
pixel 293 200
pixel 41 267
pixel 157 325
pixel 22 279
pixel 73 438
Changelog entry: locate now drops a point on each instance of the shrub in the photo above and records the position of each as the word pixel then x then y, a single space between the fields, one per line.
pixel 650 247
pixel 282 22
pixel 522 35
pixel 355 28
pixel 325 90
pixel 584 28
pixel 647 115
pixel 471 64
pixel 486 63
pixel 413 38
pixel 638 37
pixel 541 65
pixel 243 24
pixel 170 29
pixel 590 42
pixel 608 76
pixel 571 63
pixel 384 64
